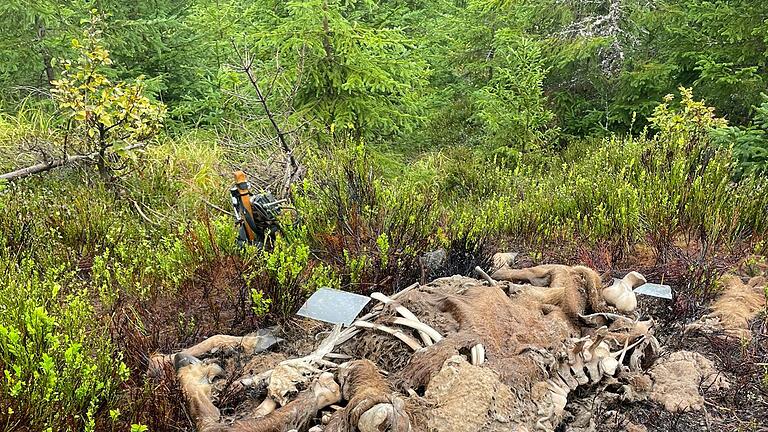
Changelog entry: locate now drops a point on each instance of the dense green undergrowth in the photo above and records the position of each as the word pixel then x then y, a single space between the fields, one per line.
pixel 77 253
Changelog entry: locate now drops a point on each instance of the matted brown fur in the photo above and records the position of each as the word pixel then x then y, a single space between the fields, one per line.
pixel 679 379
pixel 735 308
pixel 471 398
pixel 522 334
pixel 516 333
pixel 740 302
pixel 576 290
pixel 364 387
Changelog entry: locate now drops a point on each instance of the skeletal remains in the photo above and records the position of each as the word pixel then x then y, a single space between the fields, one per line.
pixel 476 355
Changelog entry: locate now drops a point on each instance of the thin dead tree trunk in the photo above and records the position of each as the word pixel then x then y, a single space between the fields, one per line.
pixel 101 160
pixel 292 166
pixel 47 60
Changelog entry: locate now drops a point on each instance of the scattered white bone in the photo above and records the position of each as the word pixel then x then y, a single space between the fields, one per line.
pixel 564 372
pixel 255 380
pixel 427 336
pixel 485 276
pixel 419 326
pixel 338 356
pixel 405 290
pixel 478 354
pixel 374 417
pixel 608 365
pixel 649 344
pixel 411 342
pixel 559 393
pixel 621 294
pixel 286 375
pixel 576 361
pixel 267 406
pixel 348 334
pixel 353 331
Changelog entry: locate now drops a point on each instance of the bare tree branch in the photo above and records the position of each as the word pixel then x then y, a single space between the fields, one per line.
pixel 46 166
pixel 292 168
pixel 246 63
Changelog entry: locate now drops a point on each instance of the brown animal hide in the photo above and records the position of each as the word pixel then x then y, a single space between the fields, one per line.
pixel 372 406
pixel 530 346
pixel 735 308
pixel 196 380
pixel 677 380
pixel 518 334
pixel 472 398
pixel 576 290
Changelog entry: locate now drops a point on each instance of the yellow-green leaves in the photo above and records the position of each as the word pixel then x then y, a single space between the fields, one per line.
pixel 691 121
pixel 103 113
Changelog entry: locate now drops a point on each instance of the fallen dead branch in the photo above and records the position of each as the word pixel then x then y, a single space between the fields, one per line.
pixel 55 163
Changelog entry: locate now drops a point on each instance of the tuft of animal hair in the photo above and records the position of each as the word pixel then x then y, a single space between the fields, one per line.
pixel 735 307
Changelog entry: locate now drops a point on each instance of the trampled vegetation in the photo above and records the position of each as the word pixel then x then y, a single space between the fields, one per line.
pixel 619 134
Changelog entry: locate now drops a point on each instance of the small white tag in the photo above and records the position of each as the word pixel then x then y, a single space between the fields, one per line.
pixel 655 290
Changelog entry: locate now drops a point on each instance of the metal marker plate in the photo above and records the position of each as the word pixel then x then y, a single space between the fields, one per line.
pixel 655 290
pixel 333 306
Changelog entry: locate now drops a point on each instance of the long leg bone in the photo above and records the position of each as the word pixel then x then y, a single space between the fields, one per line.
pixel 295 415
pixel 196 379
pixel 411 342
